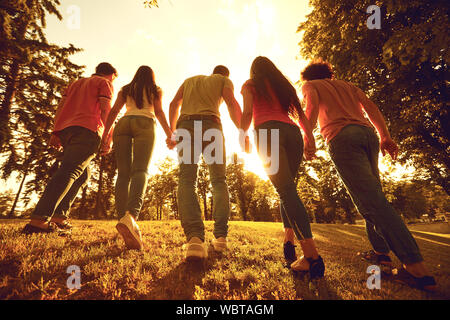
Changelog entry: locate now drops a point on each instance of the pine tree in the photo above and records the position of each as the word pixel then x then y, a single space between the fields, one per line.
pixel 33 75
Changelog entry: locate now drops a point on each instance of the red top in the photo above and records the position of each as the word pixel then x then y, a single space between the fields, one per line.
pixel 264 110
pixel 82 107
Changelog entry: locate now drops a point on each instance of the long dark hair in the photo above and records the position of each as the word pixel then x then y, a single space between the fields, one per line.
pixel 263 69
pixel 144 80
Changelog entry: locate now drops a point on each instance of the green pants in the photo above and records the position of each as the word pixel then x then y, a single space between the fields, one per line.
pixel 354 152
pixel 290 153
pixel 188 206
pixel 134 139
pixel 80 146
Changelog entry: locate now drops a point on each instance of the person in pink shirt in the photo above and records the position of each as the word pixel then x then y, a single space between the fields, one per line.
pixel 271 102
pixel 341 109
pixel 79 123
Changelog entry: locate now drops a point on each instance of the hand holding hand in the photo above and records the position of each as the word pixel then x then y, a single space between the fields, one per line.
pixel 171 142
pixel 309 149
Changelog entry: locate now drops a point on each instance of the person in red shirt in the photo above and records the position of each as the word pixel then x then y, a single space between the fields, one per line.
pixel 354 147
pixel 78 128
pixel 271 101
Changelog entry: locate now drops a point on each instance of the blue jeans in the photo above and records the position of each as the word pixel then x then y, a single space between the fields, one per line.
pixel 293 212
pixel 80 146
pixel 188 206
pixel 134 139
pixel 354 152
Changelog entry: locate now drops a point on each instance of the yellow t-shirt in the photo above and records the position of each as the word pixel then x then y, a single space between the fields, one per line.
pixel 203 94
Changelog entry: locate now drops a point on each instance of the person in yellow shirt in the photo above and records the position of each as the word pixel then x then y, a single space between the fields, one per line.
pixel 199 131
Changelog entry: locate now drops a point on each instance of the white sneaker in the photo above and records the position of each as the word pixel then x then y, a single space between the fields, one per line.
pixel 196 249
pixel 129 230
pixel 220 244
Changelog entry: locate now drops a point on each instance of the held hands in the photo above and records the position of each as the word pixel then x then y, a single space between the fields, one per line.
pixel 244 142
pixel 309 149
pixel 389 146
pixel 105 145
pixel 171 142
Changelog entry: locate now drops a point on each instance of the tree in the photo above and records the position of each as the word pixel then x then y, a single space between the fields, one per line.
pixel 241 184
pixel 204 187
pixel 33 74
pixel 403 67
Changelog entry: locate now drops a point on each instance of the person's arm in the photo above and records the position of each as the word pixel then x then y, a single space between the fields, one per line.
pixel 174 109
pixel 377 119
pixel 234 108
pixel 311 99
pixel 109 116
pixel 310 142
pixel 308 121
pixel 247 113
pixel 54 141
pixel 159 113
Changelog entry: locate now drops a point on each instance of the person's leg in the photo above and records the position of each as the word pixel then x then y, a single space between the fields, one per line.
pixel 80 146
pixel 188 205
pixel 123 144
pixel 283 182
pixel 349 152
pixel 376 240
pixel 62 211
pixel 217 172
pixel 144 140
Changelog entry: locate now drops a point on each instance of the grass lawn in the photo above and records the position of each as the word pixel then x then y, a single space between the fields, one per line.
pixel 34 267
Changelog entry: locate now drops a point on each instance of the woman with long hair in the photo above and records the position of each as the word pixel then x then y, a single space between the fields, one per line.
pixel 272 102
pixel 134 139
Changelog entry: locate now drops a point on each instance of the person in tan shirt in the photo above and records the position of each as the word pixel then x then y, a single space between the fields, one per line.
pixel 341 109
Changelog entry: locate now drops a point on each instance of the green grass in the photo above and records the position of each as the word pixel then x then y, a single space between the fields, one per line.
pixel 34 267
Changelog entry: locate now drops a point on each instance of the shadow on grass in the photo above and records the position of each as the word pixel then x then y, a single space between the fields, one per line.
pixel 180 283
pixel 317 289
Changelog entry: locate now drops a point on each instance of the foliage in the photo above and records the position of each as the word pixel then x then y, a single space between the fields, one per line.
pixel 403 67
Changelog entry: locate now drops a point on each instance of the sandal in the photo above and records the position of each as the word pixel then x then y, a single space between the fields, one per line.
pixel 378 259
pixel 316 267
pixel 426 283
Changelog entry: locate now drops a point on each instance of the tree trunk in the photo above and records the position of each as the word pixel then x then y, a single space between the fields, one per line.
pixel 13 208
pixel 205 207
pixel 99 207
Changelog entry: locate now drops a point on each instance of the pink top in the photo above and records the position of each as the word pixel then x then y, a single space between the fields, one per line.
pixel 82 107
pixel 264 110
pixel 339 105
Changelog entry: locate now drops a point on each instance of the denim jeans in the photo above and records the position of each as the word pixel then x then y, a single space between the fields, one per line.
pixel 293 212
pixel 134 139
pixel 188 206
pixel 354 152
pixel 80 146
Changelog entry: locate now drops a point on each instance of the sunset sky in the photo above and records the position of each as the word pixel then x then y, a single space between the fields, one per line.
pixel 184 38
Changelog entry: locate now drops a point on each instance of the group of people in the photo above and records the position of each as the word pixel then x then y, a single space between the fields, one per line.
pixel 83 127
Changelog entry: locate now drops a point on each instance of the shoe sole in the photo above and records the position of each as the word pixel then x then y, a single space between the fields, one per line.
pixel 130 240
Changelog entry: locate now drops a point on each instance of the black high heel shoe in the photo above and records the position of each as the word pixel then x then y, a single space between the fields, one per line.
pixel 316 268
